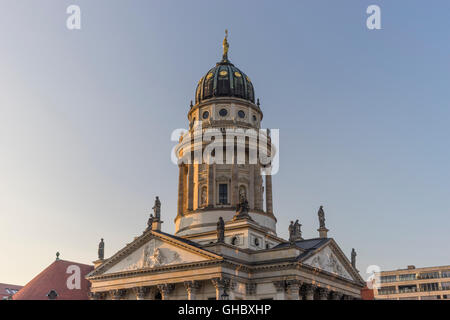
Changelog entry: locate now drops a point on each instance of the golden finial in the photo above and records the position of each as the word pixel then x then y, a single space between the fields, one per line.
pixel 225 46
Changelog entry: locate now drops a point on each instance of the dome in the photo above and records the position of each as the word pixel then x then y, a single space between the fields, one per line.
pixel 224 80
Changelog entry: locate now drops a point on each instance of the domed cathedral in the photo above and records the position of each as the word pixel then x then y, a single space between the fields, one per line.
pixel 225 244
pixel 226 120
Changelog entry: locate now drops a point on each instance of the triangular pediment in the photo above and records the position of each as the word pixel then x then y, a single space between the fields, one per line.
pixel 330 258
pixel 154 250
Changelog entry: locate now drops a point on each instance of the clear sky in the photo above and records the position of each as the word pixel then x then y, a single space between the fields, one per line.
pixel 86 118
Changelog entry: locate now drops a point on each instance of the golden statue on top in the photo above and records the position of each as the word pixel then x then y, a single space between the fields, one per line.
pixel 225 46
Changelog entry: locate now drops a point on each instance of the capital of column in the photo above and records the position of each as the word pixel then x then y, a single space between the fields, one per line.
pixel 308 291
pixel 336 295
pixel 96 295
pixel 192 289
pixel 165 289
pixel 293 288
pixel 141 292
pixel 117 294
pixel 221 285
pixel 293 284
pixel 323 293
pixel 280 285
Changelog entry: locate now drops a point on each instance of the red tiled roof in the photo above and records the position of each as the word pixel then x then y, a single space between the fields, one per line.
pixel 55 277
pixel 5 290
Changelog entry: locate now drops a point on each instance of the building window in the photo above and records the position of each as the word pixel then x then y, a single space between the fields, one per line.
pixel 429 275
pixel 386 290
pixel 234 240
pixel 407 277
pixel 424 287
pixel 223 193
pixel 407 289
pixel 445 274
pixel 385 279
pixel 445 285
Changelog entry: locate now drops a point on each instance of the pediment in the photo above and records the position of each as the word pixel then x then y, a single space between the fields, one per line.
pixel 152 251
pixel 329 259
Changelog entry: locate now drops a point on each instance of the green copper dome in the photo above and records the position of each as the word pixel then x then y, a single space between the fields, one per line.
pixel 225 80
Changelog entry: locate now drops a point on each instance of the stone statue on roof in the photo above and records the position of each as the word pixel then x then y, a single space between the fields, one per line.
pixel 157 209
pixel 101 250
pixel 321 215
pixel 220 230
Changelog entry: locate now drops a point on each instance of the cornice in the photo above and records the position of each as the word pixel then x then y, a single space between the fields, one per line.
pixel 141 240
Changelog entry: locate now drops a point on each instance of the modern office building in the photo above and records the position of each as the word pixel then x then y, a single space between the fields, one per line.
pixel 430 283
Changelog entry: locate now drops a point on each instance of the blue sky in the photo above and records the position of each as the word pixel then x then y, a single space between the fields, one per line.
pixel 86 118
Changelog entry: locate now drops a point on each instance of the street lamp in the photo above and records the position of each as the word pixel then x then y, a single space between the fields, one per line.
pixel 225 295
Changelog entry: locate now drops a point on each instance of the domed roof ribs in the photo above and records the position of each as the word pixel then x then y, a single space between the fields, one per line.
pixel 234 83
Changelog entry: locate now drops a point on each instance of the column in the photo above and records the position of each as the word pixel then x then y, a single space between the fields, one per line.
pixel 192 289
pixel 336 295
pixel 251 187
pixel 166 289
pixel 191 187
pixel 250 290
pixel 234 183
pixel 323 293
pixel 180 189
pixel 140 292
pixel 96 295
pixel 280 287
pixel 221 285
pixel 117 294
pixel 308 291
pixel 293 288
pixel 258 188
pixel 269 207
pixel 211 183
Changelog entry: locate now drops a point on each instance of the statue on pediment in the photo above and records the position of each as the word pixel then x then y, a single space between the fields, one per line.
pixel 150 222
pixel 321 215
pixel 295 232
pixel 157 209
pixel 353 258
pixel 101 250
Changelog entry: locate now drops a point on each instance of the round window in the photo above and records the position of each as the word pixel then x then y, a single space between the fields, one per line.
pixel 205 115
pixel 256 241
pixel 254 118
pixel 241 114
pixel 223 112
